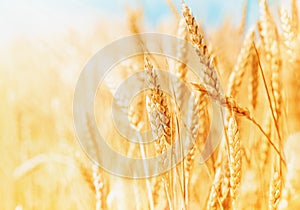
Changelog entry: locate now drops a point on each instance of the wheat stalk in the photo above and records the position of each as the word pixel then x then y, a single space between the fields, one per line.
pixel 271 108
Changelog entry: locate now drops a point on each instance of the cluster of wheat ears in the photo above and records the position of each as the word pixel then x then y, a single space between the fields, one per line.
pixel 254 166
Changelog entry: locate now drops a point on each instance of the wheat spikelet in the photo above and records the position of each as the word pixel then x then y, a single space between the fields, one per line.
pixel 180 68
pixel 96 175
pixel 264 151
pixel 188 163
pixel 235 159
pixel 158 110
pixel 194 31
pixel 254 80
pixel 91 136
pixel 160 120
pixel 98 184
pixel 215 192
pixel 289 35
pixel 209 70
pixel 156 192
pixel 261 34
pixel 289 38
pixel 275 190
pixel 85 171
pixel 276 83
pixel 135 114
pixel 199 127
pixel 225 186
pixel 219 195
pixel 266 26
pixel 272 51
pixel 198 124
pixel 240 68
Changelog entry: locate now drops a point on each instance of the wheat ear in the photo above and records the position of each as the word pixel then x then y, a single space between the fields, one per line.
pixel 264 151
pixel 219 196
pixel 180 68
pixel 215 192
pixel 254 80
pixel 240 68
pixel 210 74
pixel 289 35
pixel 198 132
pixel 275 190
pixel 235 159
pixel 160 120
pixel 158 109
pixel 272 51
pixel 98 184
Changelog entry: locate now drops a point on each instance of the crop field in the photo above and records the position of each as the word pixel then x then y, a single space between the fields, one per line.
pixel 236 126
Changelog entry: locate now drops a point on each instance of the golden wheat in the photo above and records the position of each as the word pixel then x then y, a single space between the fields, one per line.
pixel 253 167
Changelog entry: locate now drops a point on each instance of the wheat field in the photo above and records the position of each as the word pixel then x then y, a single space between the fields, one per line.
pixel 250 72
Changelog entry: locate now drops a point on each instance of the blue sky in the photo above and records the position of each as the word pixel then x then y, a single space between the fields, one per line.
pixel 19 16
